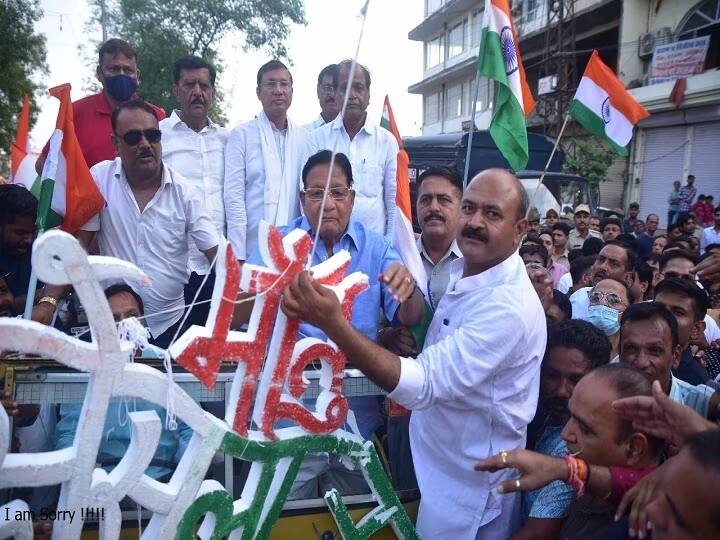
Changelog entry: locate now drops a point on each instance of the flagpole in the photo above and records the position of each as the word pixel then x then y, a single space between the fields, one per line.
pixel 472 131
pixel 547 165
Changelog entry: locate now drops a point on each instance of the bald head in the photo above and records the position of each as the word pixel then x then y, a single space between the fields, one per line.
pixel 507 179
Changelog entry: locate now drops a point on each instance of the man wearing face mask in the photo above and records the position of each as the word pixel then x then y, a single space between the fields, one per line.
pixel 608 300
pixel 118 73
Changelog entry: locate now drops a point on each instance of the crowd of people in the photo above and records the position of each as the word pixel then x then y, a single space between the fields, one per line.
pixel 577 363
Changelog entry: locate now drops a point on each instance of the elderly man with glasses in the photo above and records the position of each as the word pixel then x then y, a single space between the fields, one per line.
pixel 392 295
pixel 151 213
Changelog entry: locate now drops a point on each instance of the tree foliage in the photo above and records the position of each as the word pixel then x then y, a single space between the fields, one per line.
pixel 22 55
pixel 162 31
pixel 589 160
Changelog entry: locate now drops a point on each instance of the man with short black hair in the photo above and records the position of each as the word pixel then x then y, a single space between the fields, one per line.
pixel 685 197
pixel 687 224
pixel 263 160
pixel 328 97
pixel 371 149
pixel 560 233
pixel 582 230
pixel 18 212
pixel 629 222
pixel 643 281
pixel 194 146
pixel 711 235
pixel 611 228
pixel 118 73
pixel 151 214
pixel 645 239
pixel 581 273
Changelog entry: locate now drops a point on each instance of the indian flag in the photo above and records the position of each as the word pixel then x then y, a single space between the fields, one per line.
pixel 499 60
pixel 22 162
pixel 67 194
pixel 603 106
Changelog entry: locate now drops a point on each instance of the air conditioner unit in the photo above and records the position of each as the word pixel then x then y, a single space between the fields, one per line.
pixel 648 41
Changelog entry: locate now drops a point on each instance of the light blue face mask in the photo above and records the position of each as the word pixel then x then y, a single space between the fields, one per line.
pixel 604 318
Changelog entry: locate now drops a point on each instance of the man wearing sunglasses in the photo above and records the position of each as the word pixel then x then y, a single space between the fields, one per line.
pixel 327 97
pixel 150 216
pixel 263 160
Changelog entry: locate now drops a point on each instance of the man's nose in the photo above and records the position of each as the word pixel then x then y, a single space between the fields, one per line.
pixel 565 390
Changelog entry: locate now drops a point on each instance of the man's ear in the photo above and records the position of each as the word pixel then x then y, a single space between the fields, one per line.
pixel 637 448
pixel 175 92
pixel 521 229
pixel 676 356
pixel 698 329
pixel 629 279
pixel 99 74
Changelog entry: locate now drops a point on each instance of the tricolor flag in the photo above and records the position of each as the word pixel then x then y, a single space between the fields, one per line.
pixel 68 195
pixel 499 60
pixel 603 106
pixel 22 162
pixel 403 236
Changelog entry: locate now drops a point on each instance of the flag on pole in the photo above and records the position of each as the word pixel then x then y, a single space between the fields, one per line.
pixel 68 195
pixel 603 106
pixel 22 162
pixel 403 236
pixel 499 59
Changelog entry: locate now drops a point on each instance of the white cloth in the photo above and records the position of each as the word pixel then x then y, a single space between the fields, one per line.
pixel 200 159
pixel 580 303
pixel 709 236
pixel 318 122
pixel 712 331
pixel 472 391
pixel 373 156
pixel 438 274
pixel 245 180
pixel 156 239
pixel 565 283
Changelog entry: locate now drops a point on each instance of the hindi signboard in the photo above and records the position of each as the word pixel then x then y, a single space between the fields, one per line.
pixel 677 60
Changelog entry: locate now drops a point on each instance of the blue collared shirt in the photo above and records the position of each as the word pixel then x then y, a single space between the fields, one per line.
pixel 372 255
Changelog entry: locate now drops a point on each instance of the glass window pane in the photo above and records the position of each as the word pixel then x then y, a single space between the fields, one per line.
pixel 453 101
pixel 455 40
pixel 432 108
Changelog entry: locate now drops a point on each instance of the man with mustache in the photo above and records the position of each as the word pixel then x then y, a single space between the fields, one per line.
pixel 263 161
pixel 150 216
pixel 473 388
pixel 327 97
pixel 194 146
pixel 372 150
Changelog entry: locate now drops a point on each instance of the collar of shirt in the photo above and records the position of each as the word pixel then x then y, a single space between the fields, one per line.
pixel 120 173
pixel 351 234
pixel 368 127
pixel 490 277
pixel 174 120
pixel 102 105
pixel 452 250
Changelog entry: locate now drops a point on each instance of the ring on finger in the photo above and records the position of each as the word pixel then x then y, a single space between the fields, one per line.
pixel 517 483
pixel 408 280
pixel 503 456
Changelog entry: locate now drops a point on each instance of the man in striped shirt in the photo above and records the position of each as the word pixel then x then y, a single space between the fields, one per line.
pixel 686 195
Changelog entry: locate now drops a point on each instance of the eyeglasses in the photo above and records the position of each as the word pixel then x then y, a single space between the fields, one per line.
pixel 327 88
pixel 133 137
pixel 612 299
pixel 337 193
pixel 282 85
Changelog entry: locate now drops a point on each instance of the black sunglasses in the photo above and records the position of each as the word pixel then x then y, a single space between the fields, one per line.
pixel 133 137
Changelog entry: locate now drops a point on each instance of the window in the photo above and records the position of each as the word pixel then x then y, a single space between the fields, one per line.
pixel 432 108
pixel 433 5
pixel 484 98
pixel 477 19
pixel 434 52
pixel 453 100
pixel 456 39
pixel 531 9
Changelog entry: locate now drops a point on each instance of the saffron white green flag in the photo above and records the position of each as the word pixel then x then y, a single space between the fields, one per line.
pixel 499 60
pixel 604 107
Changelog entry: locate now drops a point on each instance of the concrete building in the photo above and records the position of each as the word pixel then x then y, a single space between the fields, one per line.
pixel 678 138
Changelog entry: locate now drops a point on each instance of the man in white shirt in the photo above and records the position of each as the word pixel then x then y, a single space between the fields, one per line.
pixel 711 235
pixel 263 161
pixel 474 388
pixel 194 146
pixel 372 151
pixel 327 97
pixel 150 215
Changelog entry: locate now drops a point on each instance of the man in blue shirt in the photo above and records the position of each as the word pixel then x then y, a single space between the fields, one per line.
pixel 392 295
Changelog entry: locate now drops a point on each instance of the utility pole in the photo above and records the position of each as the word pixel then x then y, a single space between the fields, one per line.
pixel 103 20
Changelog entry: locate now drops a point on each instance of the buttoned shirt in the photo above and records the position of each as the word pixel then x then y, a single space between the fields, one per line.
pixel 318 122
pixel 155 239
pixel 685 197
pixel 562 258
pixel 245 182
pixel 438 274
pixel 710 235
pixel 200 158
pixel 93 128
pixel 373 155
pixel 372 255
pixel 697 397
pixel 472 391
pixel 575 240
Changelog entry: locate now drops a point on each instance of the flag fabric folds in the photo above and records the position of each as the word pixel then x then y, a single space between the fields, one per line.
pixel 22 162
pixel 604 107
pixel 68 195
pixel 499 59
pixel 403 236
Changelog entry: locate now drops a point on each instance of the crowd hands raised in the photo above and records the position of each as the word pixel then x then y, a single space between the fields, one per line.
pixel 575 364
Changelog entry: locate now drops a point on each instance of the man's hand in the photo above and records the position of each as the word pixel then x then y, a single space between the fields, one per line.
pixel 536 470
pixel 661 417
pixel 307 300
pixel 43 313
pixel 636 499
pixel 11 407
pixel 542 282
pixel 708 271
pixel 398 339
pixel 399 281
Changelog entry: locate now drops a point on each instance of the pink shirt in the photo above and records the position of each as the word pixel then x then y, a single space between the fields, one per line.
pixel 557 271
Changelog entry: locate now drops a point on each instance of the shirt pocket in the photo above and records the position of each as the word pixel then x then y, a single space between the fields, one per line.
pixel 369 179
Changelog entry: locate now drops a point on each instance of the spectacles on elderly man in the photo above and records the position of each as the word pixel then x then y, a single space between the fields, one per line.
pixel 337 193
pixel 327 88
pixel 612 299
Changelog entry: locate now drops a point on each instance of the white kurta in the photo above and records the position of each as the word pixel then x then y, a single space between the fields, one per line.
pixel 373 156
pixel 473 390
